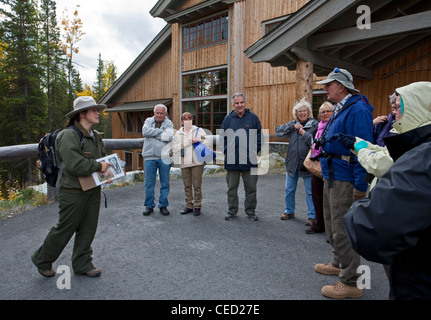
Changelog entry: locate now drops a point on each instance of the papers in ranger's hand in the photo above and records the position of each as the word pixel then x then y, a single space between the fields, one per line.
pixel 99 178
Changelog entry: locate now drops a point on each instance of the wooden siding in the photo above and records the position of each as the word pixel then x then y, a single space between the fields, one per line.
pixel 412 67
pixel 270 91
pixel 189 3
pixel 207 57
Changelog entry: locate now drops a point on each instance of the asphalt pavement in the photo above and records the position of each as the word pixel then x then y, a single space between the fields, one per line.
pixel 180 257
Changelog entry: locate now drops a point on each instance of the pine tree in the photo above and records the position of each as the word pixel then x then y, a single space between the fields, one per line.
pixel 23 101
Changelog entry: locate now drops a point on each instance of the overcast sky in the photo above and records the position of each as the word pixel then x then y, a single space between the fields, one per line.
pixel 118 30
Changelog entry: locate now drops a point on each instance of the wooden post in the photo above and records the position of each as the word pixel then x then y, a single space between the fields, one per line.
pixel 304 81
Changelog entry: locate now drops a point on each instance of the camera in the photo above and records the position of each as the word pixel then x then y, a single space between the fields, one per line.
pixel 319 142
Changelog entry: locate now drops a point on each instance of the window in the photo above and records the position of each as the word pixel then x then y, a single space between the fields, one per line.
pixel 269 25
pixel 208 114
pixel 135 121
pixel 205 84
pixel 129 161
pixel 206 32
pixel 205 97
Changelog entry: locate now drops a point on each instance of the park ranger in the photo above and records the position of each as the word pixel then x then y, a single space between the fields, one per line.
pixel 78 209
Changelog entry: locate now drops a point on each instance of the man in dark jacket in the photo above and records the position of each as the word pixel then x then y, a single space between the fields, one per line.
pixel 393 225
pixel 240 135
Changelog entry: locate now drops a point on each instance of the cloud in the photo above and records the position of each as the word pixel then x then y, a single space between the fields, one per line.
pixel 119 31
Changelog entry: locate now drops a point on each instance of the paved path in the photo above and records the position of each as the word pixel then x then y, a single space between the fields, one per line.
pixel 180 257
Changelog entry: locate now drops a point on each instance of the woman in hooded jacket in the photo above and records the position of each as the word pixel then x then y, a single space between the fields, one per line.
pixel 393 225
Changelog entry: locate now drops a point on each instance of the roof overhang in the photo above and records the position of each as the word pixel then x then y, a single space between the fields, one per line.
pixel 139 106
pixel 330 33
pixel 149 52
pixel 171 12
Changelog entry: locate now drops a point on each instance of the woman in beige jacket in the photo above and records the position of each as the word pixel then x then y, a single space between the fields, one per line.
pixel 185 157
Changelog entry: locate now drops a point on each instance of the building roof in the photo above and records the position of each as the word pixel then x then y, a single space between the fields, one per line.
pixel 152 48
pixel 139 105
pixel 332 33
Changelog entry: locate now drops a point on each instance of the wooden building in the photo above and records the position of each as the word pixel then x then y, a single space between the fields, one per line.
pixel 274 51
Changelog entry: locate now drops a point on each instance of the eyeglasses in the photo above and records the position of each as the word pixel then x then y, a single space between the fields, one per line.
pixel 397 106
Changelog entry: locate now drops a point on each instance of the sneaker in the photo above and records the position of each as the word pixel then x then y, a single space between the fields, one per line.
pixel 252 217
pixel 196 211
pixel 287 216
pixel 186 210
pixel 341 291
pixel 229 216
pixel 327 269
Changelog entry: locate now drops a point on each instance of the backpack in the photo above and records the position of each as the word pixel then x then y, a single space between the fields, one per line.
pixel 47 163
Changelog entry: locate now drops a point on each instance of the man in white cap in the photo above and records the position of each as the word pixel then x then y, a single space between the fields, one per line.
pixel 79 210
pixel 344 178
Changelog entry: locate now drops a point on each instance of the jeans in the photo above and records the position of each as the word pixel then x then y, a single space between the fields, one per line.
pixel 151 167
pixel 289 197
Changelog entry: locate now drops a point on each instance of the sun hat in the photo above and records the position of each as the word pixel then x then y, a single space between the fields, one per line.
pixel 342 76
pixel 83 103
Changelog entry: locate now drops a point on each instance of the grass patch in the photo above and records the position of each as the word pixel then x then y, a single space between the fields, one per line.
pixel 21 201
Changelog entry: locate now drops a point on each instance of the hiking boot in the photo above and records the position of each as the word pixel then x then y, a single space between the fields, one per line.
pixel 341 291
pixel 287 216
pixel 93 273
pixel 309 222
pixel 327 269
pixel 47 273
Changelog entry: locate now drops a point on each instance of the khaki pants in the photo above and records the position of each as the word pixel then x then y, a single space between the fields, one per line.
pixel 336 202
pixel 250 182
pixel 192 178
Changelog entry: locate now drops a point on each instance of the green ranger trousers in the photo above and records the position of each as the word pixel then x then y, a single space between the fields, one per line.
pixel 79 215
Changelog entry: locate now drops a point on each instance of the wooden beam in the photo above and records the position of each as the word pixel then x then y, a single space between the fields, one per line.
pixel 307 20
pixel 389 28
pixel 329 63
pixel 304 81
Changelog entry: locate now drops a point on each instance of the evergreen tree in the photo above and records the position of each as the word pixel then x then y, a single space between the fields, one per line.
pixel 23 101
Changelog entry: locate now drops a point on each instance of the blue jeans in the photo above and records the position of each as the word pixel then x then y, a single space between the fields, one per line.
pixel 289 197
pixel 151 167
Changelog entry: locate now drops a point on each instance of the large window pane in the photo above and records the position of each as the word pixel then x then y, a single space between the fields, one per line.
pixel 224 28
pixel 189 86
pixel 220 82
pixel 190 107
pixel 216 30
pixel 204 84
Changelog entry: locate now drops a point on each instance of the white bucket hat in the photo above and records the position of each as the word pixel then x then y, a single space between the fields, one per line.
pixel 342 76
pixel 83 103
